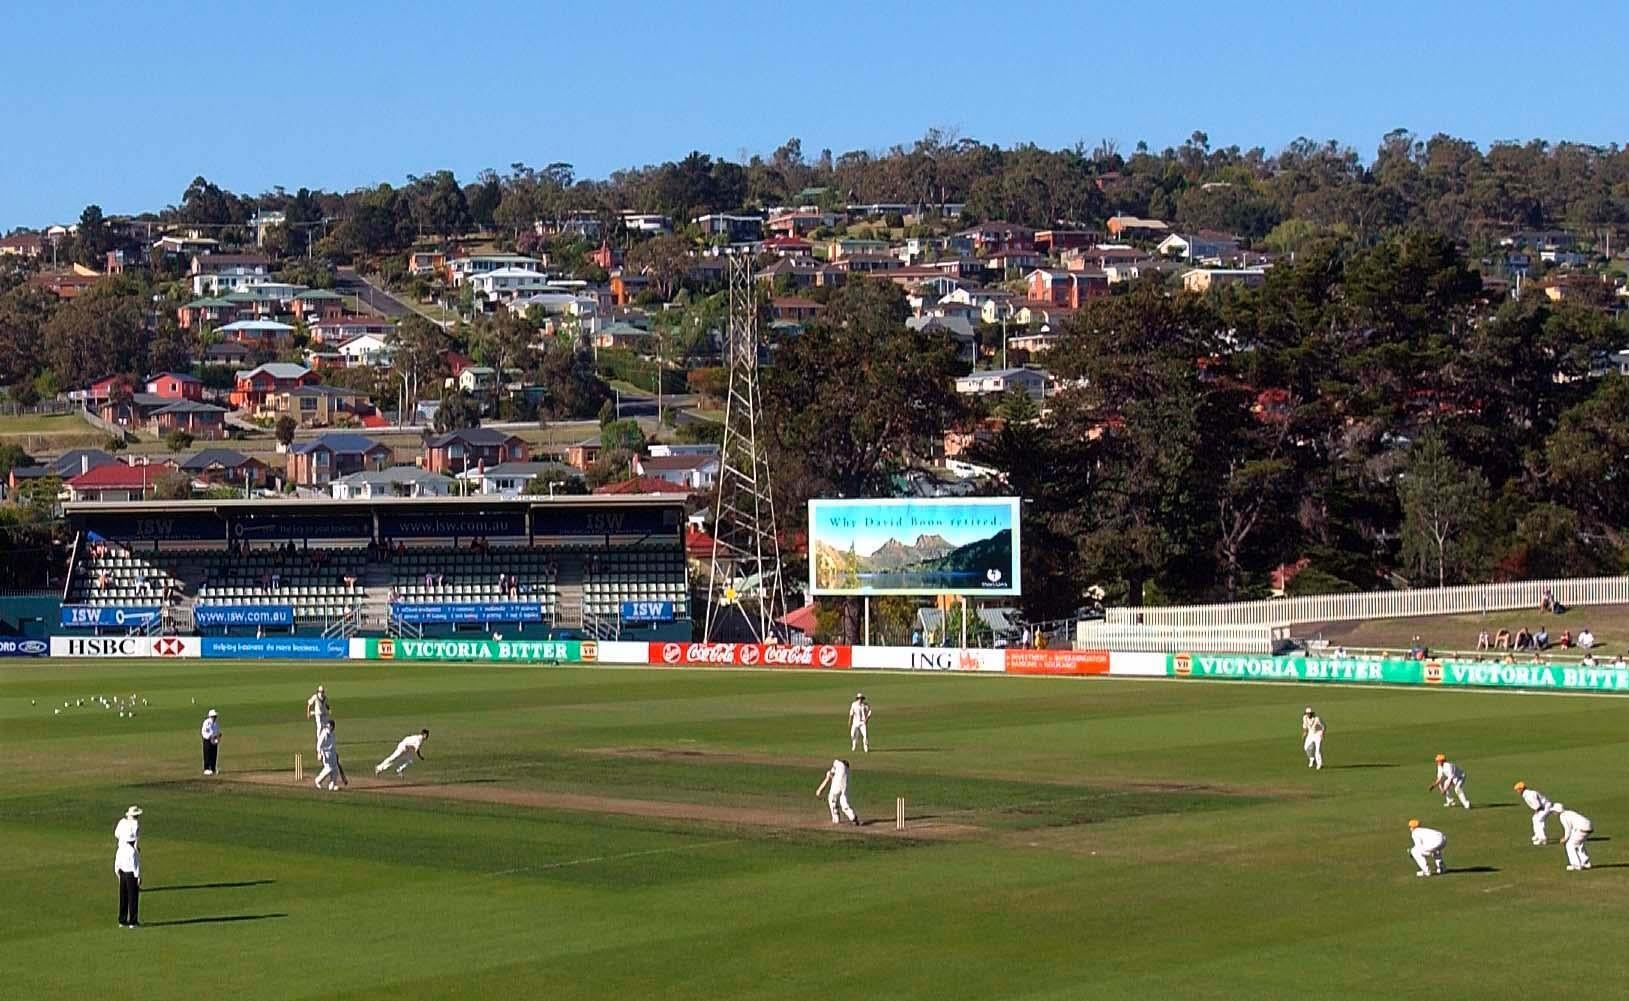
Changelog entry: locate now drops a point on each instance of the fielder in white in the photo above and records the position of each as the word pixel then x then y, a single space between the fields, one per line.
pixel 1450 782
pixel 316 708
pixel 859 713
pixel 837 796
pixel 1540 805
pixel 1575 830
pixel 1312 738
pixel 405 752
pixel 328 754
pixel 1428 846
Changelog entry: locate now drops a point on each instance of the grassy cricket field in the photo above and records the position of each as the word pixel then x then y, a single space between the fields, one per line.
pixel 623 833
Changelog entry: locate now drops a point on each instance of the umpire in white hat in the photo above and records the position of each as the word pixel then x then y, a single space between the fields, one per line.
pixel 211 732
pixel 127 866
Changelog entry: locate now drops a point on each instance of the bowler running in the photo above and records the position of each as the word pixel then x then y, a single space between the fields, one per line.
pixel 405 752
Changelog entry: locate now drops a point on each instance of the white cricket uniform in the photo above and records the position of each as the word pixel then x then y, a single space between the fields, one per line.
pixel 1312 732
pixel 1428 845
pixel 405 752
pixel 1452 779
pixel 127 858
pixel 858 715
pixel 1540 805
pixel 837 795
pixel 1575 830
pixel 317 706
pixel 328 754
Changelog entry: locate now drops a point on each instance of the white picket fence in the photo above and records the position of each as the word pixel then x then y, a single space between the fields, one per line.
pixel 1262 640
pixel 1470 599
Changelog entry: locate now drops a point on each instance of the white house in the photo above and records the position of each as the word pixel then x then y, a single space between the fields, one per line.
pixel 648 223
pixel 369 350
pixel 696 471
pixel 506 284
pixel 394 481
pixel 230 279
pixel 997 381
pixel 463 267
pixel 509 479
pixel 1218 247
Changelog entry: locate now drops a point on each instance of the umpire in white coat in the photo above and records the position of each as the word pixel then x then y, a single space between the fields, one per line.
pixel 211 732
pixel 127 867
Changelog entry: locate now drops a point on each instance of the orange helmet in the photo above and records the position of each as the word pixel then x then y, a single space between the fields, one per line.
pixel 1413 824
pixel 1520 786
pixel 1441 758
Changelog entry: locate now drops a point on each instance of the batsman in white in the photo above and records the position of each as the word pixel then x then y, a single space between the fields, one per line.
pixel 405 752
pixel 328 754
pixel 316 708
pixel 837 795
pixel 859 714
pixel 1450 782
pixel 1575 830
pixel 1312 738
pixel 1428 846
pixel 1540 805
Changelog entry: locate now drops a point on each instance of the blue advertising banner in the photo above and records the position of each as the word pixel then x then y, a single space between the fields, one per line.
pixel 647 611
pixel 172 527
pixel 456 524
pixel 10 647
pixel 91 616
pixel 261 526
pixel 276 647
pixel 570 521
pixel 243 615
pixel 468 611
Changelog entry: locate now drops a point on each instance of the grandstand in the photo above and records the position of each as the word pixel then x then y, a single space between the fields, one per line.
pixel 600 567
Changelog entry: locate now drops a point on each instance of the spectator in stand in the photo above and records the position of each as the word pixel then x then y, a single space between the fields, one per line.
pixel 1586 639
pixel 101 580
pixel 395 595
pixel 429 579
pixel 1482 642
pixel 514 586
pixel 1541 639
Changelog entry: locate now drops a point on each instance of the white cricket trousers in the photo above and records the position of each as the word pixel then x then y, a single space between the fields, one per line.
pixel 1577 854
pixel 1314 746
pixel 1423 856
pixel 838 801
pixel 1540 835
pixel 330 770
pixel 857 737
pixel 406 752
pixel 1456 788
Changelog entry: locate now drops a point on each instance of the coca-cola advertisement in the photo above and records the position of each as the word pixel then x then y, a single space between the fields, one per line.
pixel 751 655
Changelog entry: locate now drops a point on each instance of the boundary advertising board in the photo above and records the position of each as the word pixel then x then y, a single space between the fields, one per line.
pixel 750 655
pixel 502 651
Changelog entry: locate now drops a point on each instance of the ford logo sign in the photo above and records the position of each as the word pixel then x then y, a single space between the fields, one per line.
pixel 34 648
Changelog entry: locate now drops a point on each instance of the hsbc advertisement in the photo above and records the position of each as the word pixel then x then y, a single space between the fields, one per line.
pixel 119 647
pixel 750 655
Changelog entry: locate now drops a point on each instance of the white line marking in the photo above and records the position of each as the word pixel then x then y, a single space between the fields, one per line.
pixel 617 858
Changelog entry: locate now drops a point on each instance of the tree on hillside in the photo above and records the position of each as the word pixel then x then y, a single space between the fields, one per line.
pixel 92 240
pixel 284 430
pixel 666 259
pixel 416 347
pixel 1443 502
pixel 457 410
pixel 100 331
pixel 1588 458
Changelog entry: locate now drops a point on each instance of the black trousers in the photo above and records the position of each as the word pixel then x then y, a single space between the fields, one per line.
pixel 129 896
pixel 211 751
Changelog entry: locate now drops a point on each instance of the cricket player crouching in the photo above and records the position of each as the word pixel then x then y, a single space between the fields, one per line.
pixel 1540 805
pixel 1428 845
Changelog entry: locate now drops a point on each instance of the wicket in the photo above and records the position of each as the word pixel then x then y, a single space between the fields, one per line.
pixel 299 766
pixel 899 813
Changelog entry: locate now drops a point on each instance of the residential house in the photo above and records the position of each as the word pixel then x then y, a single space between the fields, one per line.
pixel 256 385
pixel 1100 256
pixel 225 465
pixel 509 479
pixel 218 274
pixel 695 472
pixel 175 386
pixel 583 454
pixel 847 246
pixel 366 350
pixel 620 335
pixel 788 246
pixel 1201 280
pixel 997 237
pixel 507 284
pixel 801 272
pixel 22 245
pixel 470 448
pixel 1040 314
pixel 184 245
pixel 627 285
pixel 395 481
pixel 1128 227
pixel 206 312
pixel 461 269
pixel 317 304
pixel 199 419
pixel 316 405
pixel 958 329
pixel 341 329
pixel 1055 241
pixel 425 262
pixel 1066 288
pixel 1205 246
pixel 1008 261
pixel 734 228
pixel 102 390
pixel 332 456
pixel 925 281
pixel 66 283
pixel 793 308
pixel 646 223
pixel 642 485
pixel 800 222
pixel 263 221
pixel 227 353
pixel 65 466
pixel 605 257
pixel 1034 341
pixel 868 263
pixel 116 481
pixel 261 335
pixel 478 380
pixel 998 381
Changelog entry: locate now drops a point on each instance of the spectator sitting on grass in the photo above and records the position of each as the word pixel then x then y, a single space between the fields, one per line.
pixel 1541 639
pixel 1547 601
pixel 1524 639
pixel 1501 640
pixel 1566 639
pixel 1482 642
pixel 1586 639
pixel 1589 660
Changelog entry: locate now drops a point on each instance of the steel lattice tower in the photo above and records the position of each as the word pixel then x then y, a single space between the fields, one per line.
pixel 746 563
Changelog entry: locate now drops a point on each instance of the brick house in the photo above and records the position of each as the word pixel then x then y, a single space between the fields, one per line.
pixel 116 481
pixel 1066 288
pixel 316 405
pixel 329 457
pixel 794 308
pixel 316 304
pixel 225 465
pixel 175 386
pixel 201 420
pixel 256 384
pixel 470 448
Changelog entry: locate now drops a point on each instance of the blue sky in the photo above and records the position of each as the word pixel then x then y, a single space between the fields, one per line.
pixel 122 104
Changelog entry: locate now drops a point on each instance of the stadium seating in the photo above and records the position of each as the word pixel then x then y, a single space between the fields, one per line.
pixel 648 573
pixel 437 575
pixel 108 578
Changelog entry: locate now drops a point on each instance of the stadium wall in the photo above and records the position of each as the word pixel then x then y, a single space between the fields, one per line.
pixel 1183 667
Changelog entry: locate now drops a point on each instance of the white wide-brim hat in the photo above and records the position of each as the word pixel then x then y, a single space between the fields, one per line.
pixel 134 811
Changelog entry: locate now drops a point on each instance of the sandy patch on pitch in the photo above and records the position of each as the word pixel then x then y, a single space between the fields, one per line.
pixel 489 792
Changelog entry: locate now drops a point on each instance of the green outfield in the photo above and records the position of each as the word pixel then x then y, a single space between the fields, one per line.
pixel 630 833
